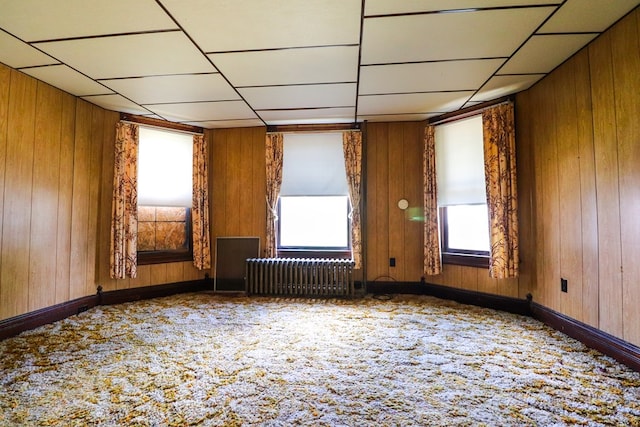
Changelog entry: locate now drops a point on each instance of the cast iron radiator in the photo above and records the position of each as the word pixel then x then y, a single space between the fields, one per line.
pixel 300 276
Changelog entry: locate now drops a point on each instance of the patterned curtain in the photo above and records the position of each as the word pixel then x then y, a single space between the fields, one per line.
pixel 124 210
pixel 200 208
pixel 274 156
pixel 352 147
pixel 502 196
pixel 432 259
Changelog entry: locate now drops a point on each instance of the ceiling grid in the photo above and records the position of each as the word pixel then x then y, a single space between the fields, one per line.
pixel 241 63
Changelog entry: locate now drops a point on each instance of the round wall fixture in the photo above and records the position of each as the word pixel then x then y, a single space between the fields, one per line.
pixel 403 204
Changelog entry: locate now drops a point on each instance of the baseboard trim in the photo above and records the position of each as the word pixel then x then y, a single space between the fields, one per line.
pixel 623 351
pixel 15 325
pixel 496 302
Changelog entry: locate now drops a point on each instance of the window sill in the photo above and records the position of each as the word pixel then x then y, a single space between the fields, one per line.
pixel 469 260
pixel 163 257
pixel 311 253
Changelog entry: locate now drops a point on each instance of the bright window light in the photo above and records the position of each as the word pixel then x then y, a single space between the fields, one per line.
pixel 468 227
pixel 314 222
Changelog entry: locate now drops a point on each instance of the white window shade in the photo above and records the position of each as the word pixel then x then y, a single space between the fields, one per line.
pixel 165 168
pixel 313 165
pixel 460 162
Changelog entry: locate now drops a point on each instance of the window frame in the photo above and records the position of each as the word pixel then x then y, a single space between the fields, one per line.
pixel 456 256
pixel 313 251
pixel 166 256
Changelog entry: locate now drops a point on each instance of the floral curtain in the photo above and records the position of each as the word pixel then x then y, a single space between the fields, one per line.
pixel 124 218
pixel 432 259
pixel 502 196
pixel 352 147
pixel 274 156
pixel 200 205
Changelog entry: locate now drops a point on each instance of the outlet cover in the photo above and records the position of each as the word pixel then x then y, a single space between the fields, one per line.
pixel 563 285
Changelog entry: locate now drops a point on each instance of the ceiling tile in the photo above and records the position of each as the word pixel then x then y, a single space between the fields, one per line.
pixel 33 20
pixel 68 80
pixel 301 96
pixel 427 76
pixel 587 15
pixel 440 102
pixel 500 86
pixel 116 103
pixel 310 116
pixel 385 7
pixel 224 26
pixel 337 64
pixel 203 111
pixel 173 89
pixel 213 124
pixel 475 35
pixel 18 54
pixel 541 54
pixel 130 56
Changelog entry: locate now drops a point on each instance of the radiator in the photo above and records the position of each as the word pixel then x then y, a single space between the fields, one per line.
pixel 299 276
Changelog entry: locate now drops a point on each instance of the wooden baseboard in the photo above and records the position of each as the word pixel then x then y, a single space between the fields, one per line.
pixel 623 351
pixel 24 322
pixel 496 302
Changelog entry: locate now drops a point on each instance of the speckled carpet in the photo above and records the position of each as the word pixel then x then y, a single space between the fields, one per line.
pixel 204 359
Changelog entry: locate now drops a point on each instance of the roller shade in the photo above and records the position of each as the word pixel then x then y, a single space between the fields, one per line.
pixel 313 165
pixel 460 162
pixel 165 168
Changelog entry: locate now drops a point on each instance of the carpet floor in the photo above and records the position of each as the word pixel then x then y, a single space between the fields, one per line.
pixel 204 359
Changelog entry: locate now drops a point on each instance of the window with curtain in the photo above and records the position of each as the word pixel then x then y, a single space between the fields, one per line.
pixel 165 189
pixel 313 209
pixel 461 187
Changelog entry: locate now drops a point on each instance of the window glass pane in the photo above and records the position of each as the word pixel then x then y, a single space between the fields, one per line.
pixel 314 222
pixel 468 227
pixel 162 228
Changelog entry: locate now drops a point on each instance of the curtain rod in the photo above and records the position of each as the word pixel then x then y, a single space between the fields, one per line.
pixel 165 128
pixel 467 112
pixel 161 124
pixel 311 128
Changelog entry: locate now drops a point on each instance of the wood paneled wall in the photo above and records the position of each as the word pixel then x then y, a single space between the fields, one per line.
pixel 394 172
pixel 579 157
pixel 56 180
pixel 237 184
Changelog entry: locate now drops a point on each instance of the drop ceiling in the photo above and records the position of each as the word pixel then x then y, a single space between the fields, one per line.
pixel 240 63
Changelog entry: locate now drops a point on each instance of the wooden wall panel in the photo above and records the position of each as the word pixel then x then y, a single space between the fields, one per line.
pixel 238 180
pixel 395 162
pixel 582 122
pixel 5 87
pixel 626 75
pixel 17 196
pixel 413 191
pixel 44 198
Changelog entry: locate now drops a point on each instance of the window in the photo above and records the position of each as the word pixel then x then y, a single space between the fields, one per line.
pixel 165 164
pixel 314 203
pixel 461 192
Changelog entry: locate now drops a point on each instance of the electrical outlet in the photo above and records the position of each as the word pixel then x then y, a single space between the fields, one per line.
pixel 563 284
pixel 392 262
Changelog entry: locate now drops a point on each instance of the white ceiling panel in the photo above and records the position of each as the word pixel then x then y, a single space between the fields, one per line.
pixel 500 86
pixel 541 54
pixel 302 96
pixel 427 76
pixel 68 80
pixel 17 54
pixel 316 115
pixel 36 20
pixel 204 111
pixel 482 34
pixel 176 88
pixel 337 64
pixel 219 124
pixel 587 15
pixel 223 26
pixel 385 7
pixel 130 56
pixel 412 103
pixel 116 102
